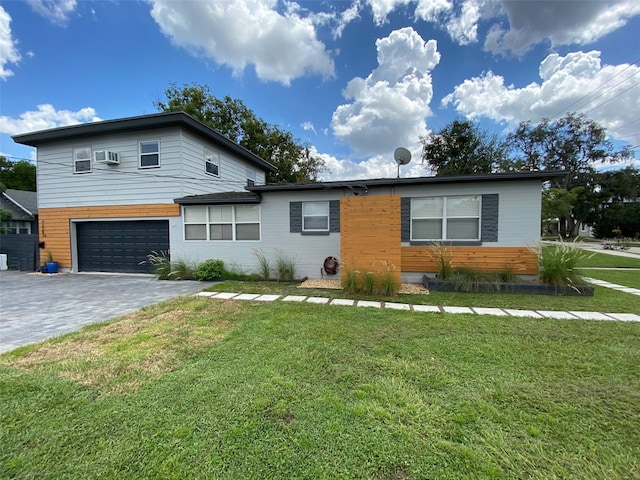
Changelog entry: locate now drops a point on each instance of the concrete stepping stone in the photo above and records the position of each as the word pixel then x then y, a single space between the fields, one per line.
pixel 426 308
pixel 368 303
pixel 625 317
pixel 591 315
pixel 320 300
pixel 522 313
pixel 397 306
pixel 294 298
pixel 342 301
pixel 450 309
pixel 247 296
pixel 267 298
pixel 225 295
pixel 489 311
pixel 557 314
pixel 206 294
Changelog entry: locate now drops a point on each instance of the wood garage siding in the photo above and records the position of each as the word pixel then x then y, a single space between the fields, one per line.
pixel 521 260
pixel 370 233
pixel 55 224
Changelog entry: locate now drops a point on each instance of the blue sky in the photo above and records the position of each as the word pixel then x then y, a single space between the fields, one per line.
pixel 354 79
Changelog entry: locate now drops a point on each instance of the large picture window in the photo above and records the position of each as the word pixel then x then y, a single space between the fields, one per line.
pixel 150 154
pixel 82 160
pixel 222 222
pixel 445 218
pixel 315 216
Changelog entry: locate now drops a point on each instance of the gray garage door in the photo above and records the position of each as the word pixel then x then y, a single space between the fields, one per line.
pixel 120 246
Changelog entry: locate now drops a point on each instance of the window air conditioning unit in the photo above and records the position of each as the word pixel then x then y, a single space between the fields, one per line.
pixel 104 156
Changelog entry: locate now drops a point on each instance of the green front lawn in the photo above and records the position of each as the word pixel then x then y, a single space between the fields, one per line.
pixel 628 278
pixel 606 260
pixel 201 388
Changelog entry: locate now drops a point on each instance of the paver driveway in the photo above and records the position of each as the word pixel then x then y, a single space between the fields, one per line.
pixel 35 307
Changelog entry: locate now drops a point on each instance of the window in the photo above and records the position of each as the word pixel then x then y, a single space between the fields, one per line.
pixel 222 222
pixel 251 177
pixel 16 227
pixel 445 218
pixel 82 160
pixel 150 154
pixel 315 216
pixel 212 163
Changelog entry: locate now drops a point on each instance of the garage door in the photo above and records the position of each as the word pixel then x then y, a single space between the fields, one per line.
pixel 120 246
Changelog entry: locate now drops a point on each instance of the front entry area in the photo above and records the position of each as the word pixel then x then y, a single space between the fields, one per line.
pixel 120 246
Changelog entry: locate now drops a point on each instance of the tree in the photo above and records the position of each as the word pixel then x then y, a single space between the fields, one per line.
pixel 232 118
pixel 572 143
pixel 18 175
pixel 462 148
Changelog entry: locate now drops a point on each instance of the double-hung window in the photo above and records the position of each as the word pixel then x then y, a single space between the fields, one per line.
pixel 315 216
pixel 150 154
pixel 212 163
pixel 222 222
pixel 82 160
pixel 446 218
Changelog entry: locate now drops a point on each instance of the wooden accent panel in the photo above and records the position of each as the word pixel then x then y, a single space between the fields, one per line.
pixel 488 259
pixel 370 232
pixel 55 224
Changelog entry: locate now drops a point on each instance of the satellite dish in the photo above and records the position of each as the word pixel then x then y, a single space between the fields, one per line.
pixel 402 156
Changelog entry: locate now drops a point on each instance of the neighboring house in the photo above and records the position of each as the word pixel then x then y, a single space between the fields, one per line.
pixel 175 184
pixel 23 207
pixel 19 236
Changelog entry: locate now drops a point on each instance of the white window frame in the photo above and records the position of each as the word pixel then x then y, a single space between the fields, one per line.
pixel 328 216
pixel 212 158
pixel 445 217
pixel 234 223
pixel 251 175
pixel 76 160
pixel 147 154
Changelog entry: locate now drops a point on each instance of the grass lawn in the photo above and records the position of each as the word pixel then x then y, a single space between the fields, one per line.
pixel 629 278
pixel 606 260
pixel 201 388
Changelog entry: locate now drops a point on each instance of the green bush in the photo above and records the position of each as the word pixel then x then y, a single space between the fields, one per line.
pixel 285 267
pixel 160 264
pixel 558 264
pixel 264 266
pixel 181 270
pixel 209 270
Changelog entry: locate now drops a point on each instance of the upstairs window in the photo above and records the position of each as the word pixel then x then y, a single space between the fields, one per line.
pixel 82 160
pixel 212 163
pixel 315 216
pixel 150 154
pixel 251 177
pixel 445 218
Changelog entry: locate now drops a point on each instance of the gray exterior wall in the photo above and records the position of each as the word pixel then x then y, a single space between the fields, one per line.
pixel 181 171
pixel 519 225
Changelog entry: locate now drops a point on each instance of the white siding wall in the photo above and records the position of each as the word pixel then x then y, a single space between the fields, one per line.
pixel 181 171
pixel 309 251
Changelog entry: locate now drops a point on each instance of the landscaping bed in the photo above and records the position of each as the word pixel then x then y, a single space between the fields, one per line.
pixel 529 288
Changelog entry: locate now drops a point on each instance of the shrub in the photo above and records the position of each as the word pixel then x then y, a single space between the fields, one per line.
pixel 209 270
pixel 369 283
pixel 442 255
pixel 388 284
pixel 350 279
pixel 264 266
pixel 181 270
pixel 160 264
pixel 558 264
pixel 285 267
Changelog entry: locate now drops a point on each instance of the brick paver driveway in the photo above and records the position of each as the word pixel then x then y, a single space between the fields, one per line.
pixel 35 307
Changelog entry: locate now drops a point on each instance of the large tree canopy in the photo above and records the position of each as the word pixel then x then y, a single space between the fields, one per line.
pixel 235 120
pixel 18 175
pixel 462 148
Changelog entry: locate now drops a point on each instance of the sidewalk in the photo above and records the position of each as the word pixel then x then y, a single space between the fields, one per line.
pixel 554 314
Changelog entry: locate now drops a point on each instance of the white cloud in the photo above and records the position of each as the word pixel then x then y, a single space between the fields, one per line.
pixel 379 166
pixel 573 22
pixel 57 11
pixel 44 118
pixel 464 27
pixel 8 46
pixel 577 82
pixel 308 126
pixel 388 108
pixel 281 47
pixel 346 17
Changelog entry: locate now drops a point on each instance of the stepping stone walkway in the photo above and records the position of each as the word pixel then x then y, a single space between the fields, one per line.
pixel 614 286
pixel 501 312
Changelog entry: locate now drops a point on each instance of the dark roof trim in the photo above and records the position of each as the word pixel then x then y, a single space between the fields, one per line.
pixel 227 198
pixel 390 182
pixel 143 122
pixel 8 197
